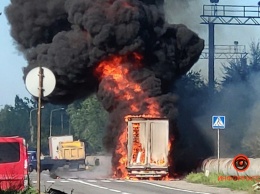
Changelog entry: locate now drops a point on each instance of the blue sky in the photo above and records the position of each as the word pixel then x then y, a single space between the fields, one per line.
pixel 12 62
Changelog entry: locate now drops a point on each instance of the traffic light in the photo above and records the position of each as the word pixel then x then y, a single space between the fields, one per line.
pixel 214 1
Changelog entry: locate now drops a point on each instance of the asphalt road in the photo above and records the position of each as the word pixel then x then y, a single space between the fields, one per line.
pixel 102 185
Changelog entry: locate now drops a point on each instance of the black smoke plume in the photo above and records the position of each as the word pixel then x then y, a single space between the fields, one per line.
pixel 71 38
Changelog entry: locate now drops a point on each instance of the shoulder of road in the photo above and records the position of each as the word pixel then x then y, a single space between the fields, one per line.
pixel 200 188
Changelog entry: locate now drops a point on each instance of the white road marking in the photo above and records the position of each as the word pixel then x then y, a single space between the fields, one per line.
pixel 105 181
pixel 132 181
pixel 50 181
pixel 100 187
pixel 64 181
pixel 117 191
pixel 119 181
pixel 172 188
pixel 79 181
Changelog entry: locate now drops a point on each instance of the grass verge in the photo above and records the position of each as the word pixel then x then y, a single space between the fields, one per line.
pixel 29 190
pixel 214 180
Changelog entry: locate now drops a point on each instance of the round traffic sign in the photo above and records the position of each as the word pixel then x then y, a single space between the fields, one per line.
pixel 33 79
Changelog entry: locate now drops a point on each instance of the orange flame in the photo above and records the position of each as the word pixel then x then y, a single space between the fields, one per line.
pixel 123 160
pixel 115 71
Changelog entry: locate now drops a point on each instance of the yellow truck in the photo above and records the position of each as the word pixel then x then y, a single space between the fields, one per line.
pixel 71 150
pixel 66 152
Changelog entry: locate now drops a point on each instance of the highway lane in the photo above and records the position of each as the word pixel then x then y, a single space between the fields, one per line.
pixel 133 187
pixel 106 186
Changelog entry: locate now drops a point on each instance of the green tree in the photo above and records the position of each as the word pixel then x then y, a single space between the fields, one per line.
pixel 21 119
pixel 14 120
pixel 238 99
pixel 237 71
pixel 251 143
pixel 255 57
pixel 88 121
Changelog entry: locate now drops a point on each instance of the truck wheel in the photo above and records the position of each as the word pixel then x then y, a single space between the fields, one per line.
pixel 97 163
pixel 30 168
pixel 53 174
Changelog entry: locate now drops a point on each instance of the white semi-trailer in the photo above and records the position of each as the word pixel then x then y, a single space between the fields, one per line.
pixel 147 146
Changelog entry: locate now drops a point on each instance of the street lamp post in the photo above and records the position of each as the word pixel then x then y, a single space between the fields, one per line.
pixel 61 120
pixel 31 125
pixel 51 118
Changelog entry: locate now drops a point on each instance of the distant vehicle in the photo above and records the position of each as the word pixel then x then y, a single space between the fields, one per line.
pixel 64 152
pixel 147 146
pixel 68 149
pixel 32 161
pixel 13 163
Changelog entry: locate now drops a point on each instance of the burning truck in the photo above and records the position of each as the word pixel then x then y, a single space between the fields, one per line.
pixel 125 52
pixel 147 146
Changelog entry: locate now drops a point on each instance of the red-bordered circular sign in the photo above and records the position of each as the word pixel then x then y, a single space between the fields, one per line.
pixel 241 163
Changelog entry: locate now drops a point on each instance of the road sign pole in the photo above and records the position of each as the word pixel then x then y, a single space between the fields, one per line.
pixel 39 87
pixel 218 150
pixel 218 122
pixel 39 131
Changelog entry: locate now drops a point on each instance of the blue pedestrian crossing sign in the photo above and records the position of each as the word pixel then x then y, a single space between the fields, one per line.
pixel 218 122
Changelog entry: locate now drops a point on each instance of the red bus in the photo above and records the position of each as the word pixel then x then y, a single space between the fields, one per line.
pixel 13 163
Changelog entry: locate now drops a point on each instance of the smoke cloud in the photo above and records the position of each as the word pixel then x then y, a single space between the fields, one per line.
pixel 186 12
pixel 72 37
